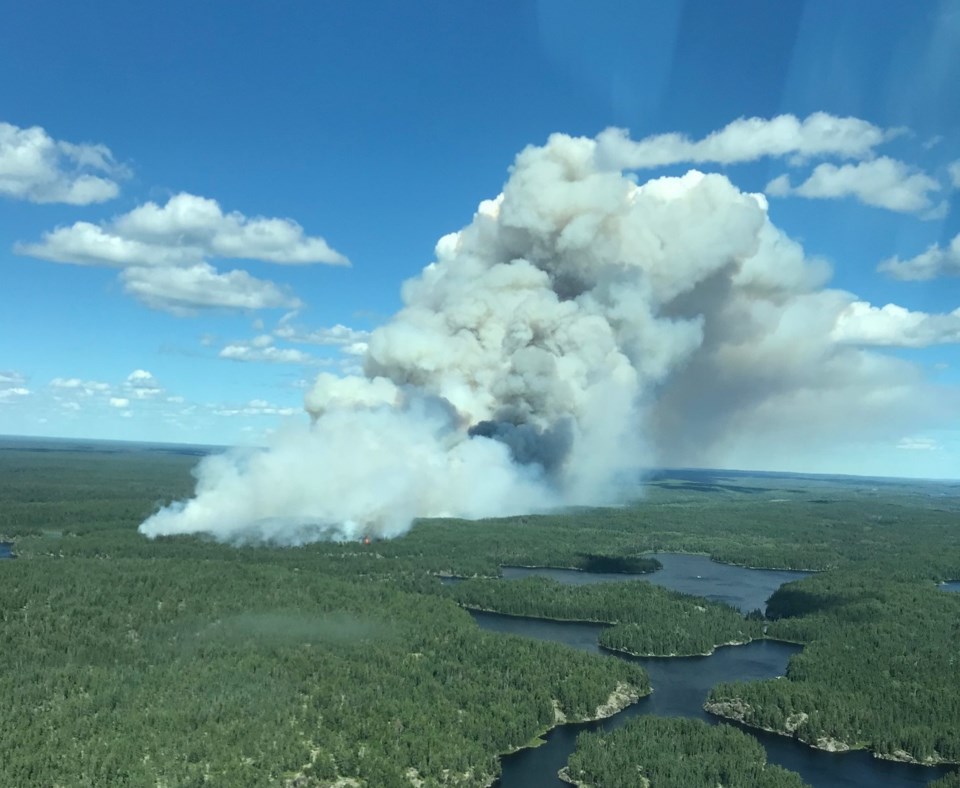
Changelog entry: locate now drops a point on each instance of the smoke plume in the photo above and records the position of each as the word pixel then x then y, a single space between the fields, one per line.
pixel 581 328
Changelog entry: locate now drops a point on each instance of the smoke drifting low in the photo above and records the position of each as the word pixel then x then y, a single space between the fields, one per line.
pixel 581 328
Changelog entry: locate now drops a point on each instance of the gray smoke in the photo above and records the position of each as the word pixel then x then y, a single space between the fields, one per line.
pixel 581 328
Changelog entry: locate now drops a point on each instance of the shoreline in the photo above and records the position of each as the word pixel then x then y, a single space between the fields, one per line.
pixel 621 697
pixel 739 566
pixel 564 776
pixel 709 653
pixel 451 576
pixel 648 572
pixel 580 569
pixel 592 622
pixel 617 651
pixel 824 743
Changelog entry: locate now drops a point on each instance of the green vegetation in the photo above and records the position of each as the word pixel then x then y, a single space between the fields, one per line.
pixel 206 664
pixel 131 671
pixel 951 780
pixel 631 565
pixel 674 753
pixel 649 620
pixel 182 661
pixel 881 667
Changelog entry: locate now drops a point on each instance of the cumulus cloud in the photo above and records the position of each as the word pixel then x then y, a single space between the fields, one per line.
pixel 351 341
pixel 582 327
pixel 163 253
pixel 747 139
pixel 84 243
pixel 12 386
pixel 883 182
pixel 257 407
pixel 11 377
pixel 894 326
pixel 936 261
pixel 119 402
pixel 13 392
pixel 337 335
pixel 918 444
pixel 185 231
pixel 141 384
pixel 86 388
pixel 37 168
pixel 953 170
pixel 184 291
pixel 261 352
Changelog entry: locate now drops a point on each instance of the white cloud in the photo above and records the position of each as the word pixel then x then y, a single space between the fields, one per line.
pixel 119 402
pixel 37 168
pixel 11 377
pixel 918 444
pixel 884 183
pixel 141 384
pixel 183 291
pixel 953 170
pixel 894 326
pixel 7 394
pixel 163 252
pixel 747 139
pixel 337 336
pixel 141 377
pixel 257 407
pixel 934 262
pixel 185 231
pixel 85 388
pixel 84 243
pixel 239 351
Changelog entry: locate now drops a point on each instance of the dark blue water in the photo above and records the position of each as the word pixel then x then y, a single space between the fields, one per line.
pixel 6 550
pixel 746 589
pixel 681 684
pixel 952 586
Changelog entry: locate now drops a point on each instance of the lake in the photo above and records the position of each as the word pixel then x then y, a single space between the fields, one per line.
pixel 952 586
pixel 681 684
pixel 6 550
pixel 746 589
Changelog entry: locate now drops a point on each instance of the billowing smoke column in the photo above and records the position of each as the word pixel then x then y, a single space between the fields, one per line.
pixel 581 328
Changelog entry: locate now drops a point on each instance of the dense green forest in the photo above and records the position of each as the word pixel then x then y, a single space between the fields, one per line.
pixel 881 666
pixel 647 619
pixel 182 661
pixel 951 780
pixel 134 672
pixel 674 753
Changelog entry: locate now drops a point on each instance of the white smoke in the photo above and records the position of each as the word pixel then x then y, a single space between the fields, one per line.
pixel 581 328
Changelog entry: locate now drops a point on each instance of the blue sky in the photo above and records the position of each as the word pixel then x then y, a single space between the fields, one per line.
pixel 378 127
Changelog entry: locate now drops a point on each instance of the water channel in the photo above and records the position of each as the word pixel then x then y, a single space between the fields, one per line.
pixel 681 684
pixel 746 589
